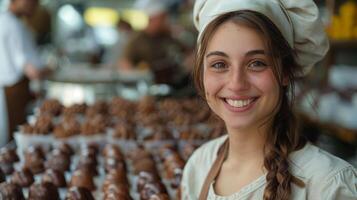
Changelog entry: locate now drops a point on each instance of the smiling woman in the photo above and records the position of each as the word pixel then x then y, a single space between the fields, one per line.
pixel 249 56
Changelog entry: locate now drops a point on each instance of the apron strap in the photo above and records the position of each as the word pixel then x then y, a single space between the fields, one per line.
pixel 213 173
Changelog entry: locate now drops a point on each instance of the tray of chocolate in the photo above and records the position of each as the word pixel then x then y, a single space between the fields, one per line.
pixel 149 122
pixel 91 171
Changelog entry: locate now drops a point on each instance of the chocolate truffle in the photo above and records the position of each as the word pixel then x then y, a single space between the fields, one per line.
pixel 23 178
pixel 35 164
pixel 151 189
pixel 146 177
pixel 8 155
pixel 51 106
pixel 79 193
pixel 68 127
pixel 65 148
pixel 11 191
pixel 43 191
pixel 114 164
pixel 7 168
pixel 35 151
pixel 117 192
pixel 58 160
pixel 82 178
pixel 146 164
pixel 54 176
pixel 161 196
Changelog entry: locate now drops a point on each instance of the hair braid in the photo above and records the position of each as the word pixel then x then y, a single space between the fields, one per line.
pixel 280 144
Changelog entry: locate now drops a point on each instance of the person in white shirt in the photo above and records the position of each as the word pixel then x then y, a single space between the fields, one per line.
pixel 249 55
pixel 20 62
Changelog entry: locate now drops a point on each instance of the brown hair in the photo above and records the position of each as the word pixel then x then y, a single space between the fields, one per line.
pixel 283 137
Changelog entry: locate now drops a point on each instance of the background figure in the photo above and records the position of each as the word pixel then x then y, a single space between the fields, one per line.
pixel 154 47
pixel 41 25
pixel 114 54
pixel 20 63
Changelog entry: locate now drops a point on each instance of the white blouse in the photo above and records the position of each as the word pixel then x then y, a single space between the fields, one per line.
pixel 326 177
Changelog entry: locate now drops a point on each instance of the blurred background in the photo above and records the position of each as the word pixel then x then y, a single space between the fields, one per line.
pixel 99 49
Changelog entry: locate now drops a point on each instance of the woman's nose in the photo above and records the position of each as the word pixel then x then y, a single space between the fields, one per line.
pixel 238 80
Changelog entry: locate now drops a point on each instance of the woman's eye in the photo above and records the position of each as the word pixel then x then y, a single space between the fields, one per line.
pixel 257 65
pixel 218 65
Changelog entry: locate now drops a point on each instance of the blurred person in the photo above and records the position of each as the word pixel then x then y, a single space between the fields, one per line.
pixel 20 62
pixel 154 48
pixel 41 25
pixel 125 30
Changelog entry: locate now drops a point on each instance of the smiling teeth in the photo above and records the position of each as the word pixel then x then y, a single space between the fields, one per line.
pixel 239 103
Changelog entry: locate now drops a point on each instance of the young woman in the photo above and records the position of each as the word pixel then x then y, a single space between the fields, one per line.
pixel 249 55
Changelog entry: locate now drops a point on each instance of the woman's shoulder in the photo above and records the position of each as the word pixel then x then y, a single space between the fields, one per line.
pixel 324 174
pixel 198 166
pixel 312 161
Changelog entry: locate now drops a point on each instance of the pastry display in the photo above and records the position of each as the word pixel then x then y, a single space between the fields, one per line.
pixel 51 106
pixel 55 177
pixel 23 178
pixel 79 193
pixel 8 155
pixel 43 191
pixel 82 178
pixel 11 191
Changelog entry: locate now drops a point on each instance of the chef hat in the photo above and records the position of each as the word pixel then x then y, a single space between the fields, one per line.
pixel 297 20
pixel 151 7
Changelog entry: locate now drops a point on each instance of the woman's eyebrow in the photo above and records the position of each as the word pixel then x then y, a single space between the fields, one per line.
pixel 249 53
pixel 254 52
pixel 217 53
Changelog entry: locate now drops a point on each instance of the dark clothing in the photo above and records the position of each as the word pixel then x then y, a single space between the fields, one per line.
pixel 17 98
pixel 161 53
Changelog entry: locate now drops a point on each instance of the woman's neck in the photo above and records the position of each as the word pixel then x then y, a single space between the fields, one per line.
pixel 246 146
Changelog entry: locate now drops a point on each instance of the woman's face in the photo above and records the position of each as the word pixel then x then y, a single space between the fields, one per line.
pixel 238 79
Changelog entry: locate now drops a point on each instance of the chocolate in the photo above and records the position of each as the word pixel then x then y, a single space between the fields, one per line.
pixel 79 193
pixel 117 192
pixel 43 191
pixel 146 177
pixel 35 151
pixel 114 164
pixel 23 178
pixel 146 164
pixel 74 109
pixel 7 168
pixel 67 128
pixel 82 178
pixel 58 161
pixel 150 189
pixel 115 177
pixel 8 155
pixel 112 151
pixel 51 106
pixel 161 196
pixel 124 131
pixel 35 164
pixel 11 191
pixel 65 148
pixel 54 176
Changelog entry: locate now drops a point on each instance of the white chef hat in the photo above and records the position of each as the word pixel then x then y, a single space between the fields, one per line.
pixel 151 7
pixel 297 20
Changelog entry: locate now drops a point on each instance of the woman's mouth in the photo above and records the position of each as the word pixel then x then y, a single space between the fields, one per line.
pixel 240 104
